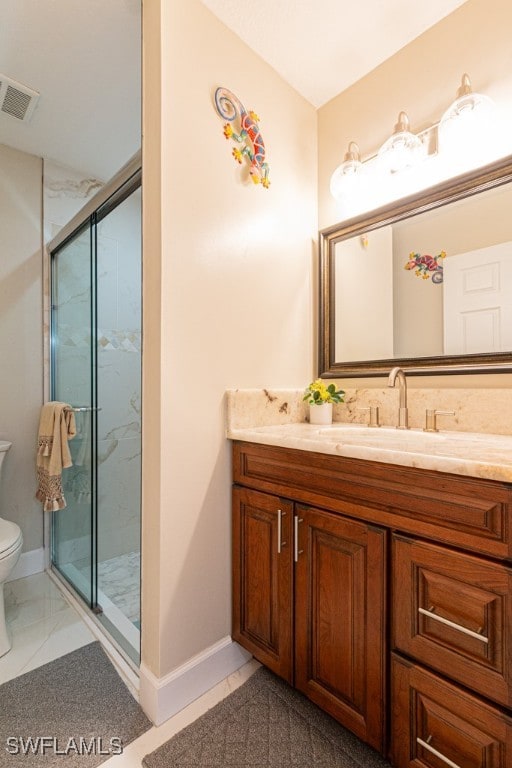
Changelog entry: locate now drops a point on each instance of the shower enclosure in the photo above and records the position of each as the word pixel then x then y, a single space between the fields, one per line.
pixel 96 368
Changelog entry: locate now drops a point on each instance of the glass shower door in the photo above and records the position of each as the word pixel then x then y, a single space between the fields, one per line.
pixel 96 358
pixel 96 369
pixel 73 351
pixel 118 374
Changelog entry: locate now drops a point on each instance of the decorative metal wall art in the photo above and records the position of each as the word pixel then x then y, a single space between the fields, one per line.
pixel 248 136
pixel 426 266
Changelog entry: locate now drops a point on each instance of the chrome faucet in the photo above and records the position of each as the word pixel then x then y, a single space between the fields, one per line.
pixel 394 374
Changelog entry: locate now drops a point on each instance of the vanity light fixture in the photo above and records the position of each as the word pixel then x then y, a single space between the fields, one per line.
pixel 467 119
pixel 403 149
pixel 342 178
pixel 462 130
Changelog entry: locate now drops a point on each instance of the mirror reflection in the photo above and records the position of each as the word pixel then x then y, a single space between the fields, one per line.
pixel 426 283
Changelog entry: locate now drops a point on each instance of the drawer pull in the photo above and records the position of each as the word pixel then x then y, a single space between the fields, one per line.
pixel 297 551
pixel 280 542
pixel 427 746
pixel 453 625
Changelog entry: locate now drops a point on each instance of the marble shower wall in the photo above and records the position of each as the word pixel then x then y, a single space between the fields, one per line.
pixel 65 192
pixel 119 379
pixel 118 371
pixel 73 385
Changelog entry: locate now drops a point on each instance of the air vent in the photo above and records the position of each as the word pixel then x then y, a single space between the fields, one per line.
pixel 16 99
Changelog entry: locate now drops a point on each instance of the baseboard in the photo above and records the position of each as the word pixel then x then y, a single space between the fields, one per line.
pixel 161 698
pixel 29 563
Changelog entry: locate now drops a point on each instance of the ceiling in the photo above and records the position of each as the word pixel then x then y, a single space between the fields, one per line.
pixel 320 47
pixel 83 57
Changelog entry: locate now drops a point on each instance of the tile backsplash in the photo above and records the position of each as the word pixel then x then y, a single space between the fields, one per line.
pixel 476 410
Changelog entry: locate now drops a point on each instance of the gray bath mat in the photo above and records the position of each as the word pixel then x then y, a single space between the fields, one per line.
pixel 74 711
pixel 264 724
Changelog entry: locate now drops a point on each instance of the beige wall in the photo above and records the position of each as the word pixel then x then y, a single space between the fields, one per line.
pixel 422 78
pixel 21 380
pixel 230 304
pixel 364 288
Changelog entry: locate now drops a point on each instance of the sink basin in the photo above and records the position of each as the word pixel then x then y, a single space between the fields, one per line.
pixel 453 444
pixel 389 439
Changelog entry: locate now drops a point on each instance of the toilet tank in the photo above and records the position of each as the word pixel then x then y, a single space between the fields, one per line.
pixel 4 447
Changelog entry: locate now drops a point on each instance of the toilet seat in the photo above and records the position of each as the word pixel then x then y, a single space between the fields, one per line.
pixel 10 538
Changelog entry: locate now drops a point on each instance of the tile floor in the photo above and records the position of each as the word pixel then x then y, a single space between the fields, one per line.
pixel 44 626
pixel 42 623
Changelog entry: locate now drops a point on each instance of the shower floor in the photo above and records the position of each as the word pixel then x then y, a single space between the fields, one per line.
pixel 119 579
pixel 118 591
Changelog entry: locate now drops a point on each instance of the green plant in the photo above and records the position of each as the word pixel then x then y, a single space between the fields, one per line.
pixel 317 393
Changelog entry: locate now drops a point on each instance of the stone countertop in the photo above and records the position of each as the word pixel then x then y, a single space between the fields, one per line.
pixel 472 454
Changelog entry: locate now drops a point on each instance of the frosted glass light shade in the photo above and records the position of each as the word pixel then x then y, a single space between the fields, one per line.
pixel 403 149
pixel 467 125
pixel 345 179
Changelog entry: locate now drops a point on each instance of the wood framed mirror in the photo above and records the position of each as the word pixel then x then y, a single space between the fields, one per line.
pixel 424 283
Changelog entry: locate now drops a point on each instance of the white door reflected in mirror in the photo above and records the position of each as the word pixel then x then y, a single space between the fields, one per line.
pixel 477 300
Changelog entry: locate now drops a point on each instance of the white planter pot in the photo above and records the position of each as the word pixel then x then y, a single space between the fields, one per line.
pixel 320 414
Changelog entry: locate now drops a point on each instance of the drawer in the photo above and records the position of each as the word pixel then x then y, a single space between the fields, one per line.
pixel 452 611
pixel 464 512
pixel 435 724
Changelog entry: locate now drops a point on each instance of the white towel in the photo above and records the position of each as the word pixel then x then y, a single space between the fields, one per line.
pixel 56 427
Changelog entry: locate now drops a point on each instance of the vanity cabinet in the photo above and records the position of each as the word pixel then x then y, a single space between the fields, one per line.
pixel 453 612
pixel 452 621
pixel 437 724
pixel 309 603
pixel 263 578
pixel 384 594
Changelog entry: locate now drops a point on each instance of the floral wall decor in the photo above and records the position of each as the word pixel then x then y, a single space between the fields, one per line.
pixel 242 127
pixel 426 266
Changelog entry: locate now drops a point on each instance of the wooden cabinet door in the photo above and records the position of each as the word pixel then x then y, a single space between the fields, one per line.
pixel 339 619
pixel 262 578
pixel 435 724
pixel 453 612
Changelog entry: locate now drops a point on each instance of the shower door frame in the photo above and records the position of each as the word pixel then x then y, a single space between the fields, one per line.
pixel 112 194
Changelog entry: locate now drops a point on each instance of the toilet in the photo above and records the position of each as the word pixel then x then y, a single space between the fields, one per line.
pixel 11 541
